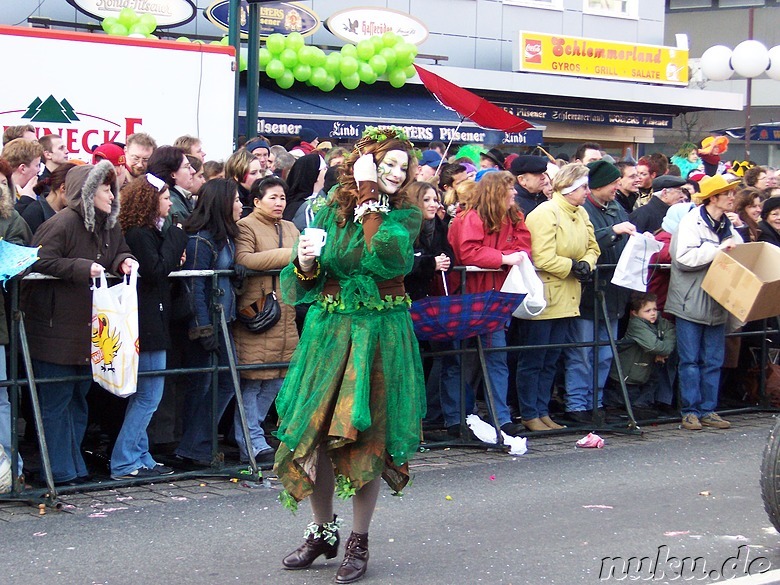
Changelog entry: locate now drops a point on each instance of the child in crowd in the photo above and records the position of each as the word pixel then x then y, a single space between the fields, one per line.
pixel 647 344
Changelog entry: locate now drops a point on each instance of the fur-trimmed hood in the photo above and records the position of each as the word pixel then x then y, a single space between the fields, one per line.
pixel 81 183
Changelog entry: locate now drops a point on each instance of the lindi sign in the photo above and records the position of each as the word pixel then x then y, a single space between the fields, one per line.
pixel 356 24
pixel 167 12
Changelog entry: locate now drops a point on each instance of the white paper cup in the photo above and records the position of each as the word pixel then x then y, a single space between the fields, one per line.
pixel 318 237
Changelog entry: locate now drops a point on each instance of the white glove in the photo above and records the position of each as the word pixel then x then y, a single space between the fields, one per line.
pixel 364 168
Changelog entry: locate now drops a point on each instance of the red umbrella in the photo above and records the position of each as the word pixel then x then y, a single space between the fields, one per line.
pixel 470 105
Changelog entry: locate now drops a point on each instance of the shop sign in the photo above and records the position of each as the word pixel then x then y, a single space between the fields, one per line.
pixel 545 115
pixel 357 24
pixel 275 17
pixel 581 57
pixel 167 12
pixel 422 133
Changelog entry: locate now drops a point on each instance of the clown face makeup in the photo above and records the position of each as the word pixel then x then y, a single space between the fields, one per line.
pixel 391 171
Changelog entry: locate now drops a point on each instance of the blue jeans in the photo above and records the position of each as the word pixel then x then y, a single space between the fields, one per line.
pixel 199 422
pixel 498 372
pixel 536 367
pixel 667 374
pixel 258 395
pixel 64 413
pixel 5 413
pixel 579 364
pixel 701 349
pixel 449 385
pixel 131 450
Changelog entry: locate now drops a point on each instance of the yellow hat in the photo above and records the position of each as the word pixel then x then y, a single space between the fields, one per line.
pixel 710 186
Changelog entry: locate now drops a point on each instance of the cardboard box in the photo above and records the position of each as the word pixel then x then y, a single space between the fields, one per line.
pixel 746 280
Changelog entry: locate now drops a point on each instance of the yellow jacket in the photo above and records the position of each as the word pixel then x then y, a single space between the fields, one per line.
pixel 561 232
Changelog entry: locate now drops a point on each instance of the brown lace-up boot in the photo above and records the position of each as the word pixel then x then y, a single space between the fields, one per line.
pixel 355 562
pixel 321 539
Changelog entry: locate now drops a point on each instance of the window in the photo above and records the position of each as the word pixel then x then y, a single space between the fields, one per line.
pixel 624 8
pixel 551 4
pixel 683 4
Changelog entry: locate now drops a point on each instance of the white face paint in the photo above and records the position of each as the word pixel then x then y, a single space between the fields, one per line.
pixel 391 171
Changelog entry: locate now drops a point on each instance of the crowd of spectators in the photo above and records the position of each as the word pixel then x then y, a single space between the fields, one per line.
pixel 162 208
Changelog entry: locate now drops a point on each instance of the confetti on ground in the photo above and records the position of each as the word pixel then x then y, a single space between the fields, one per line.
pixel 599 506
pixel 448 498
pixel 492 478
pixel 40 534
pixel 677 533
pixel 179 498
pixel 705 494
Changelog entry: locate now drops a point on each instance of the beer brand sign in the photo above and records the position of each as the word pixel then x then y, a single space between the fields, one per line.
pixel 275 17
pixel 581 57
pixel 167 12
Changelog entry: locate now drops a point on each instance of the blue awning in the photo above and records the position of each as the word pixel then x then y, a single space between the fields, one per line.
pixel 343 115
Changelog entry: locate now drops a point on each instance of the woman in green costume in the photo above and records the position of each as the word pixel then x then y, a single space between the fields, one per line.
pixel 354 395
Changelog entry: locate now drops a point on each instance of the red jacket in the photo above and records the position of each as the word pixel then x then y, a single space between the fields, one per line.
pixel 474 247
pixel 658 283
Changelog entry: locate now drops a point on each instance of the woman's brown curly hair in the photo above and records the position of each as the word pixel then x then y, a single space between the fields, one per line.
pixel 140 204
pixel 490 201
pixel 346 194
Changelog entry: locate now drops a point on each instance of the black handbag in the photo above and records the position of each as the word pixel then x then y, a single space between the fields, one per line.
pixel 259 320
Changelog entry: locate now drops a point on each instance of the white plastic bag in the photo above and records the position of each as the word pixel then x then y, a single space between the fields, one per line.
pixel 631 269
pixel 523 280
pixel 114 353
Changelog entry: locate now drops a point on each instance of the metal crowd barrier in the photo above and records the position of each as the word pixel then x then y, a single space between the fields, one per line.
pixel 18 382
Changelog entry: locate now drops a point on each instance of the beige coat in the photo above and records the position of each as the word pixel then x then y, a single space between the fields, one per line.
pixel 560 233
pixel 257 248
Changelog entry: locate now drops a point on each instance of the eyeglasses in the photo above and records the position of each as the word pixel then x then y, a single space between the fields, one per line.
pixel 135 159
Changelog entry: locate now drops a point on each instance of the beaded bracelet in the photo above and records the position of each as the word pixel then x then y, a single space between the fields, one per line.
pixel 302 276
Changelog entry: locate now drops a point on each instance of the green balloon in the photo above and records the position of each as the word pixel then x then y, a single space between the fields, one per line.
pixel 378 64
pixel 397 78
pixel 289 58
pixel 306 55
pixel 152 37
pixel 390 57
pixel 365 50
pixel 302 72
pixel 127 17
pixel 351 81
pixel 264 57
pixel 182 40
pixel 404 53
pixel 199 42
pixel 318 76
pixel 333 63
pixel 109 22
pixel 275 43
pixel 410 72
pixel 349 65
pixel 328 84
pixel 390 39
pixel 119 30
pixel 349 50
pixel 224 41
pixel 275 69
pixel 318 60
pixel 295 41
pixel 138 29
pixel 366 74
pixel 149 22
pixel 286 80
pixel 242 63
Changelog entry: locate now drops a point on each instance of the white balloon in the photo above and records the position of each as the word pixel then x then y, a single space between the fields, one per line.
pixel 715 63
pixel 750 58
pixel 774 63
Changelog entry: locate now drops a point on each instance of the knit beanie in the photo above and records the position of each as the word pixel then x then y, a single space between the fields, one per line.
pixel 769 205
pixel 601 173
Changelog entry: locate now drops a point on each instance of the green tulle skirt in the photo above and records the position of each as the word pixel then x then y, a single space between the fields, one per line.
pixel 356 387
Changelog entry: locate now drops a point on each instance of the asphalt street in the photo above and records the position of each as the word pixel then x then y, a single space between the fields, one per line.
pixel 550 516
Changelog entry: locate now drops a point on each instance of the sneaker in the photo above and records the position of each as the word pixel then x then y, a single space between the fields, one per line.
pixel 691 422
pixel 161 469
pixel 713 419
pixel 142 473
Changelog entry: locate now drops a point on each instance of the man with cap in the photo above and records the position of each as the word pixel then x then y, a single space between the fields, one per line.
pixel 116 154
pixel 428 166
pixel 492 159
pixel 667 191
pixel 262 150
pixel 700 320
pixel 530 172
pixel 309 142
pixel 612 229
